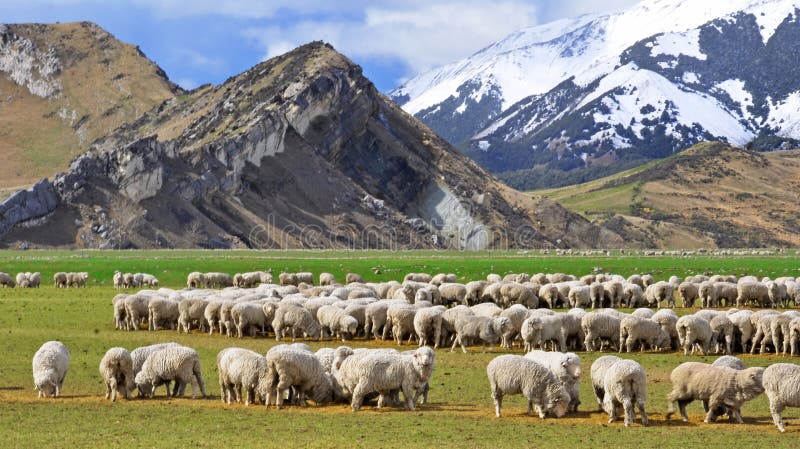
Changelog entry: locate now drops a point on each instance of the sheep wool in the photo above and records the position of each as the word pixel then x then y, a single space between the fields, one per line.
pixel 513 374
pixel 50 365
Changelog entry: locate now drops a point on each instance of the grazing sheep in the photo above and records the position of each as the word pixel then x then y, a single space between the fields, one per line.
pixel 195 280
pixel 382 373
pixel 249 316
pixel 548 294
pixel 779 327
pixel 487 330
pixel 327 279
pixel 633 330
pixel 693 331
pixel 513 293
pixel 240 369
pixel 743 328
pixel 305 277
pixel 794 335
pixel 77 280
pixel 192 311
pixel 218 280
pixel 149 280
pixel 689 293
pixel 117 279
pixel 633 296
pixel 174 363
pixel 763 330
pixel 162 312
pixel 612 293
pixel 140 354
pixel 530 331
pixel 667 318
pixel 719 385
pixel 552 330
pixel 597 294
pixel 298 319
pixel 598 373
pixel 782 386
pixel 729 361
pixel 35 280
pixel 566 367
pixel 660 292
pixel 50 365
pixel 337 323
pixel 136 310
pixel 599 327
pixel 59 279
pixel 722 329
pixel 752 293
pixel 644 312
pixel 579 297
pixel 452 293
pixel 400 321
pixel 513 374
pixel 351 278
pixel 442 278
pixel 418 277
pixel 116 368
pixel 211 315
pixel 428 325
pixel 516 314
pixel 625 384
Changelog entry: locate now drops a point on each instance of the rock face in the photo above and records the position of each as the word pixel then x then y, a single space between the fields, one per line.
pixel 300 151
pixel 26 205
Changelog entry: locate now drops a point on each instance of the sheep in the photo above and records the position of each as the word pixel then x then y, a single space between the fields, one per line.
pixel 240 369
pixel 625 384
pixel 612 293
pixel 743 328
pixel 442 278
pixel 327 279
pixel 513 374
pixel 128 280
pixel 21 278
pixel 779 327
pixel 719 385
pixel 384 372
pixel 487 309
pixel 636 279
pixel 488 330
pixel 693 331
pixel 493 278
pixel 116 369
pixel 193 311
pixel 474 291
pixel 689 293
pixel 515 293
pixel 428 325
pixel 418 277
pixel 136 310
pixel 632 296
pixel 149 280
pixel 598 373
pixel 722 329
pixel 50 365
pixel 211 315
pixel 120 317
pixel 777 294
pixel 77 280
pixel 548 294
pixel 552 330
pixel 516 314
pixel 729 361
pixel 351 278
pixel 452 293
pixel 643 312
pixel 117 280
pixel 633 330
pixel 249 316
pixel 296 318
pixel 172 363
pixel 218 280
pixel 599 326
pixel 794 335
pixel 596 294
pixel 781 386
pixel 59 280
pixel 162 312
pixel 35 280
pixel 400 321
pixel 566 367
pixel 579 297
pixel 667 318
pixel 195 280
pixel 337 322
pixel 755 293
pixel 763 335
pixel 660 292
pixel 140 354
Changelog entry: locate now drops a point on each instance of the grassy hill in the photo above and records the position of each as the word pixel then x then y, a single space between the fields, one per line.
pixel 61 87
pixel 709 195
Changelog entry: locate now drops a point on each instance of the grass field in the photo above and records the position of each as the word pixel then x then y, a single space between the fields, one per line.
pixel 460 413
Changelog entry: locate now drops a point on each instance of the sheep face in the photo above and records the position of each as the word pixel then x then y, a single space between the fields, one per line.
pixel 47 388
pixel 146 386
pixel 557 402
pixel 750 381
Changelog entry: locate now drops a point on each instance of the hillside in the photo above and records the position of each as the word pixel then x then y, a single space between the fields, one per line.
pixel 579 99
pixel 61 87
pixel 300 151
pixel 710 195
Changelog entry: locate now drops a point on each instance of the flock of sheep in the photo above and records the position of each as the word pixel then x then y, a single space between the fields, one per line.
pixel 438 311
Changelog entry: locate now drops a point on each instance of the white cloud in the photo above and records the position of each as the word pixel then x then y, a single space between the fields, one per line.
pixel 419 33
pixel 187 83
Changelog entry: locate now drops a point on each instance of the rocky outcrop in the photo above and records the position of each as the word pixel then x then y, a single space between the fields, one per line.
pixel 300 151
pixel 27 205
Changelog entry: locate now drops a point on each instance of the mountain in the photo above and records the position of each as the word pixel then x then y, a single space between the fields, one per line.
pixel 299 151
pixel 579 99
pixel 712 194
pixel 61 87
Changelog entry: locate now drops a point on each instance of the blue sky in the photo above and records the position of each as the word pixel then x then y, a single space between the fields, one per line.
pixel 207 41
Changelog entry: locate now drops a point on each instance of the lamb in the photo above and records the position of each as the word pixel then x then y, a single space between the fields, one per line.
pixel 566 367
pixel 174 363
pixel 781 384
pixel 382 372
pixel 116 368
pixel 487 330
pixel 428 325
pixel 598 373
pixel 599 326
pixel 633 330
pixel 722 329
pixel 296 318
pixel 249 316
pixel 50 365
pixel 240 369
pixel 513 374
pixel 625 384
pixel 719 385
pixel 195 280
pixel 693 331
pixel 337 322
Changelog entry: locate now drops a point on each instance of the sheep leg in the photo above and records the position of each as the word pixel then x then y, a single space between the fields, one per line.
pixel 775 409
pixel 640 405
pixel 358 397
pixel 630 412
pixel 497 396
pixel 599 394
pixel 713 403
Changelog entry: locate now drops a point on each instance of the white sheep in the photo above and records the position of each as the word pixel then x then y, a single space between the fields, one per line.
pixel 140 354
pixel 633 330
pixel 598 373
pixel 782 386
pixel 722 329
pixel 487 330
pixel 453 293
pixel 513 374
pixel 174 363
pixel 754 293
pixel 428 325
pixel 599 327
pixel 400 321
pixel 192 312
pixel 625 384
pixel 567 369
pixel 50 365
pixel 694 331
pixel 719 385
pixel 116 369
pixel 162 312
pixel 195 280
pixel 337 322
pixel 249 316
pixel 240 369
pixel 298 320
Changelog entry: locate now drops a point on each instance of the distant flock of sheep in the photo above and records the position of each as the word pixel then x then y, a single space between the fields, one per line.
pixel 438 311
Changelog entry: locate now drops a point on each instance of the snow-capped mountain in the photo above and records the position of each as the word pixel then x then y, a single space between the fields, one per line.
pixel 586 92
